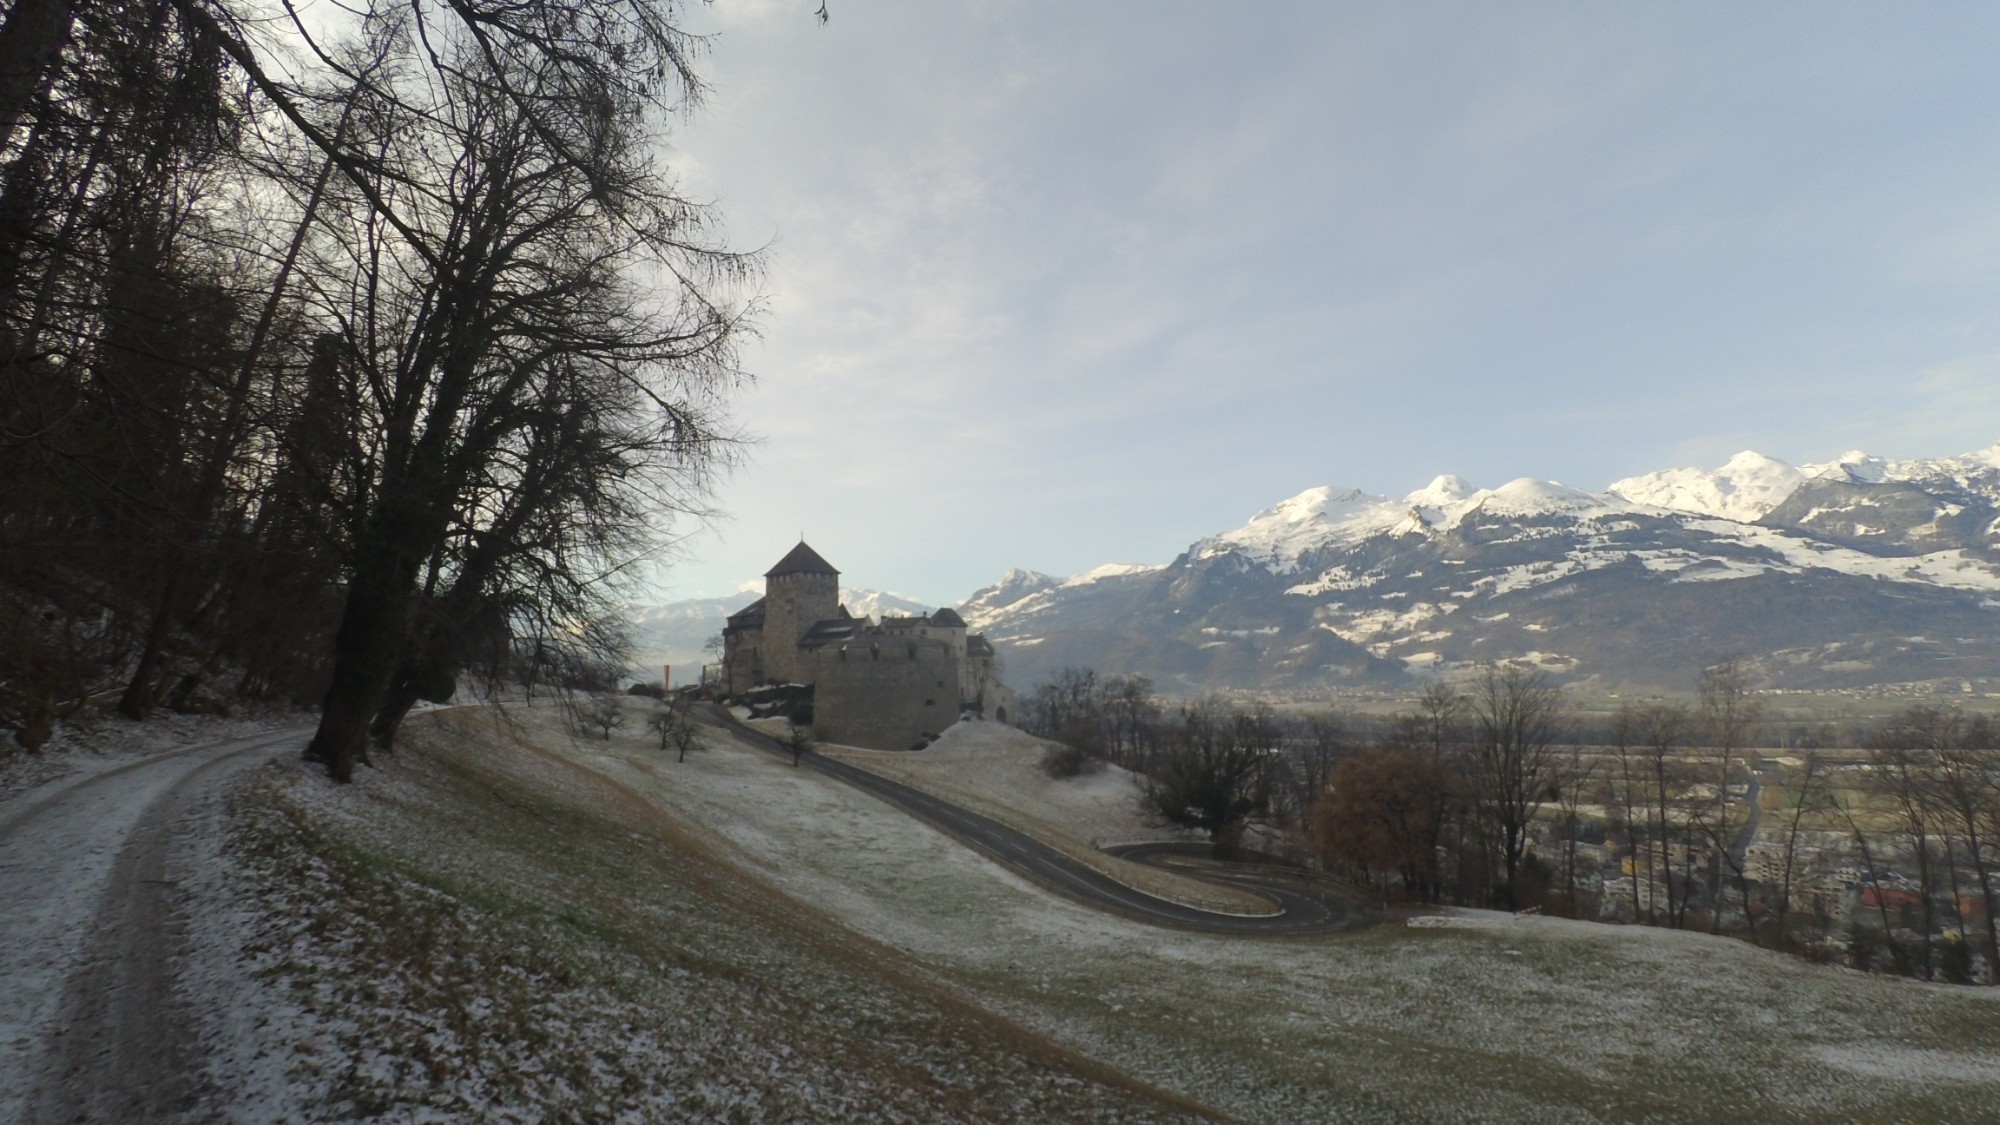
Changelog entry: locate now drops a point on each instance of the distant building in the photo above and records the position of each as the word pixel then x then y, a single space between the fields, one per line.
pixel 887 686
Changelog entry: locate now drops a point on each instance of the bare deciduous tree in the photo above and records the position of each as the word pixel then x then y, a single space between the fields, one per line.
pixel 675 728
pixel 1380 814
pixel 1577 784
pixel 602 715
pixel 798 739
pixel 1513 766
pixel 1215 772
pixel 1812 798
pixel 1729 712
pixel 531 405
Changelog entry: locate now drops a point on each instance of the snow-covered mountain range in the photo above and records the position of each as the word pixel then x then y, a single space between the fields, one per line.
pixel 1856 571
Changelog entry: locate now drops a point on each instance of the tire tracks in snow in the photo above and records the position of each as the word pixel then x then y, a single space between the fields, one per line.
pixel 91 923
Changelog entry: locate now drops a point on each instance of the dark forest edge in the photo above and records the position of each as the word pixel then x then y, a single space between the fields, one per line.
pixel 340 370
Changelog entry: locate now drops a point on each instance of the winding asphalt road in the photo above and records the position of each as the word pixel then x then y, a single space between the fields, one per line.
pixel 1309 903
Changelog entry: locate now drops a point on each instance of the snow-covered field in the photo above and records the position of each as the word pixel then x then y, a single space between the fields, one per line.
pixel 1001 765
pixel 506 924
pixel 483 931
pixel 1487 1018
pixel 995 770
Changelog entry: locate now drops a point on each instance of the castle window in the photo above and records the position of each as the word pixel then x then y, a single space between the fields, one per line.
pixel 913 652
pixel 874 652
pixel 930 702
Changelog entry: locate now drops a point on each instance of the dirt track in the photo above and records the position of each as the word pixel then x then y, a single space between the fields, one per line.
pixel 91 912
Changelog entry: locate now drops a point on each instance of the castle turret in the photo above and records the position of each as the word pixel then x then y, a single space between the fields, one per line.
pixel 798 592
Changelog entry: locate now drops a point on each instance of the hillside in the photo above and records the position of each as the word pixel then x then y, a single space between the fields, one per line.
pixel 505 923
pixel 995 770
pixel 1855 573
pixel 490 928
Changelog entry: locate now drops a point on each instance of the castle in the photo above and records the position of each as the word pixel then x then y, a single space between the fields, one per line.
pixel 891 685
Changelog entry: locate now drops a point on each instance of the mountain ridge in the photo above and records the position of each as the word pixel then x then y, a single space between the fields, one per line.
pixel 1825 575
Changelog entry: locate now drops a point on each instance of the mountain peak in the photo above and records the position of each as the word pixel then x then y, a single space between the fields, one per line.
pixel 1109 570
pixel 1529 496
pixel 1277 535
pixel 1013 587
pixel 1743 489
pixel 1442 492
pixel 1855 466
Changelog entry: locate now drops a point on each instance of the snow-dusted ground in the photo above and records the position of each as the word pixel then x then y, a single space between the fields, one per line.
pixel 505 924
pixel 1491 1017
pixel 92 743
pixel 1001 765
pixel 88 860
pixel 482 930
pixel 995 770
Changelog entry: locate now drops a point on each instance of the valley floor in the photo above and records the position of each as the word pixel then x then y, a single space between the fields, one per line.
pixel 505 923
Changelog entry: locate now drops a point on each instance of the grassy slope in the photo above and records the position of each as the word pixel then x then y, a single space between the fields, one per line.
pixel 484 930
pixel 995 771
pixel 1537 1019
pixel 526 908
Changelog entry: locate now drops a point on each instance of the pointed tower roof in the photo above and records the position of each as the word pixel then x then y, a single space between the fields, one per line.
pixel 801 560
pixel 949 618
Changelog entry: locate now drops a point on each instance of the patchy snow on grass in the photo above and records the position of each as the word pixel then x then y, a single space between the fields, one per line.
pixel 483 930
pixel 93 742
pixel 1519 1019
pixel 503 923
pixel 1889 1061
pixel 1001 765
pixel 995 770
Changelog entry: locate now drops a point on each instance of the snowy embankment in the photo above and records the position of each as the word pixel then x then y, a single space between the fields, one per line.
pixel 1492 1018
pixel 503 923
pixel 93 743
pixel 481 930
pixel 995 770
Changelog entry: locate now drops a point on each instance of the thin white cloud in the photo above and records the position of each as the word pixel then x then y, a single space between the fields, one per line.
pixel 1053 284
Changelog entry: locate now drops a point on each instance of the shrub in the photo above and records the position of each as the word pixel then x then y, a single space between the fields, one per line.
pixel 1062 761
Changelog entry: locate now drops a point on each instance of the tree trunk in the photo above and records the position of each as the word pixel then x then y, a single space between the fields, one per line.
pixel 30 40
pixel 390 718
pixel 372 632
pixel 137 701
pixel 1983 870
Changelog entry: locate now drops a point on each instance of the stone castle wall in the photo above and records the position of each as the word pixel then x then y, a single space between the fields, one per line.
pixel 743 660
pixel 882 692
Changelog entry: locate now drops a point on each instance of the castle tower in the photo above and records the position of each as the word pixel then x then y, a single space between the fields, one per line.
pixel 949 627
pixel 801 590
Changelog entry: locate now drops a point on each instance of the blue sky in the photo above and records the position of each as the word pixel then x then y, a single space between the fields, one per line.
pixel 1053 285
